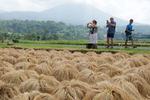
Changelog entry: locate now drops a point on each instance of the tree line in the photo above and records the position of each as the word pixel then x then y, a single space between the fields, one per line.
pixel 40 30
pixel 50 30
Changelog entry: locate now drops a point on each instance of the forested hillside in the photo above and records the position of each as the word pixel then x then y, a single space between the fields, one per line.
pixel 50 30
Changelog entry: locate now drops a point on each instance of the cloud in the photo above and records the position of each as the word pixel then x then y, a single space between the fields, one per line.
pixel 125 9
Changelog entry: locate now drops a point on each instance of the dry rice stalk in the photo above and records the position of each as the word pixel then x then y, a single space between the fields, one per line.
pixel 15 53
pixel 82 66
pixel 23 66
pixel 31 74
pixel 121 55
pixel 7 92
pixel 44 97
pixel 14 77
pixel 138 61
pixel 4 70
pixel 30 85
pixel 21 59
pixel 146 56
pixel 65 72
pixel 1 82
pixel 43 68
pixel 6 64
pixel 27 96
pixel 71 90
pixel 123 64
pixel 127 86
pixel 77 54
pixel 107 91
pixel 10 59
pixel 142 86
pixel 24 96
pixel 44 84
pixel 102 76
pixel 109 70
pixel 91 54
pixel 88 76
pixel 86 65
pixel 144 73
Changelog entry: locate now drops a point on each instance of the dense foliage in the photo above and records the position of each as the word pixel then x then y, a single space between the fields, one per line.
pixel 41 30
pixel 50 30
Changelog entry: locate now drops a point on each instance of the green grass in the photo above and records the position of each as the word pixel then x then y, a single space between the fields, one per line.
pixel 75 46
pixel 81 42
pixel 81 48
pixel 3 45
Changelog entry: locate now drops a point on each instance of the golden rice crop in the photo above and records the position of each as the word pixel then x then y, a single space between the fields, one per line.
pixel 17 77
pixel 43 83
pixel 27 96
pixel 91 77
pixel 9 59
pixel 31 74
pixel 8 91
pixel 142 86
pixel 71 90
pixel 44 97
pixel 121 55
pixel 43 68
pixel 127 86
pixel 65 72
pixel 22 65
pixel 107 91
pixel 14 77
pixel 4 70
pixel 109 70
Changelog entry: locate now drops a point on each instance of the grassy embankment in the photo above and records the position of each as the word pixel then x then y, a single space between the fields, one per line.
pixel 142 47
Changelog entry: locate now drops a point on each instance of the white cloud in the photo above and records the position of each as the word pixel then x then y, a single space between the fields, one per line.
pixel 125 9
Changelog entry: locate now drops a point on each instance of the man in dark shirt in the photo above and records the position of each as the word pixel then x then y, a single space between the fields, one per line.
pixel 110 32
pixel 128 31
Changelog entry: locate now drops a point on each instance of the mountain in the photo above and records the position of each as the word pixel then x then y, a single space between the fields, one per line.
pixel 75 14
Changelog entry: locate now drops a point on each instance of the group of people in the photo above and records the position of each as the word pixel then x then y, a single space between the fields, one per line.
pixel 111 29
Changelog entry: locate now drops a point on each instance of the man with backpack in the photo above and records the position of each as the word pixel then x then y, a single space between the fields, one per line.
pixel 128 31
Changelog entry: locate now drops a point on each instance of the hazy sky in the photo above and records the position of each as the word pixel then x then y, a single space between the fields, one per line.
pixel 125 9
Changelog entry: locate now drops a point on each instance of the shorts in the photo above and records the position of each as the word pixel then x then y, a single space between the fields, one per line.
pixel 129 38
pixel 110 35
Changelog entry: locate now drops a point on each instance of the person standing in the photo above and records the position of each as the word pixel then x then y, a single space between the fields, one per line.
pixel 128 31
pixel 111 25
pixel 93 38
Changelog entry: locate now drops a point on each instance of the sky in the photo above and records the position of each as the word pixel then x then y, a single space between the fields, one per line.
pixel 139 10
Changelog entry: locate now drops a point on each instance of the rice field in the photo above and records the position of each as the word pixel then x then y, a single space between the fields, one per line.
pixel 29 74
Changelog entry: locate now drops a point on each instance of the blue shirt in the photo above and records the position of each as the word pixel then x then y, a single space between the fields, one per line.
pixel 111 29
pixel 129 28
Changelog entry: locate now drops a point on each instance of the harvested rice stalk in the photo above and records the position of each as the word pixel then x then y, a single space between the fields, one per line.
pixel 107 91
pixel 45 84
pixel 65 72
pixel 43 68
pixel 127 86
pixel 109 70
pixel 142 86
pixel 27 96
pixel 88 76
pixel 14 77
pixel 4 70
pixel 23 66
pixel 8 91
pixel 10 59
pixel 71 90
pixel 44 97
